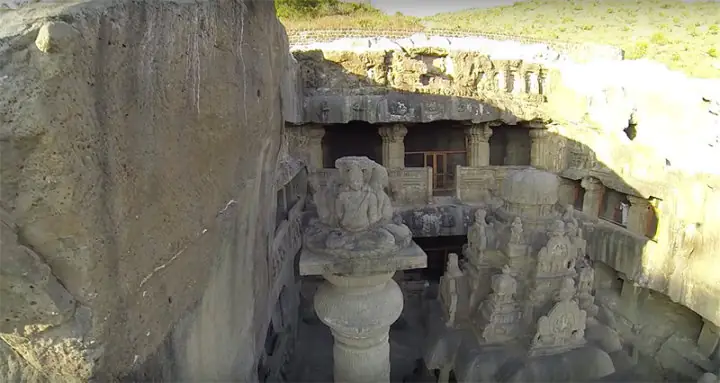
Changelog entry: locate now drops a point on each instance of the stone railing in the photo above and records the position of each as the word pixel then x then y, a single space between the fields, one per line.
pixel 473 184
pixel 577 51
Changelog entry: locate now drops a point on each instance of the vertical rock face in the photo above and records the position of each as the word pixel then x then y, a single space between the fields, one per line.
pixel 138 141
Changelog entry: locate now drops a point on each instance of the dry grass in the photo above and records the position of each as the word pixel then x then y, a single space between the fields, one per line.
pixel 684 36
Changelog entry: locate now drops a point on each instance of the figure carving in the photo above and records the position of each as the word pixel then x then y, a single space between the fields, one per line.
pixel 449 293
pixel 556 257
pixel 516 232
pixel 504 286
pixel 355 213
pixel 477 237
pixel 356 206
pixel 561 330
pixel 499 315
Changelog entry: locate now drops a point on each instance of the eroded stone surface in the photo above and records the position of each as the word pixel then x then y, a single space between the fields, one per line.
pixel 128 159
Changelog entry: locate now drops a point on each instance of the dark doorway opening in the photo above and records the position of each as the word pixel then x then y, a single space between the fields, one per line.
pixel 356 138
pixel 437 250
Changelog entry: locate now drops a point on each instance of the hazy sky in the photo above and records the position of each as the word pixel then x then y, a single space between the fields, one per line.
pixel 431 7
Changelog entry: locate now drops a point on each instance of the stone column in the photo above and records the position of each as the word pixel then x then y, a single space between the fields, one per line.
pixel 547 151
pixel 359 311
pixel 315 134
pixel 638 215
pixel 566 192
pixel 393 145
pixel 357 253
pixel 594 190
pixel 477 144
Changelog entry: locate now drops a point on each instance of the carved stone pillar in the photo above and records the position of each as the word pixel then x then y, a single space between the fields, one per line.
pixel 566 192
pixel 359 311
pixel 594 191
pixel 393 145
pixel 638 215
pixel 547 150
pixel 477 145
pixel 315 134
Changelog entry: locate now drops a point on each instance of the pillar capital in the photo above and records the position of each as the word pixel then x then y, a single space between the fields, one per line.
pixel 591 184
pixel 393 133
pixel 314 132
pixel 636 201
pixel 479 132
pixel 538 133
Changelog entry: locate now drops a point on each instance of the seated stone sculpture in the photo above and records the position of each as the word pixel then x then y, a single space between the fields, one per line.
pixel 356 205
pixel 355 214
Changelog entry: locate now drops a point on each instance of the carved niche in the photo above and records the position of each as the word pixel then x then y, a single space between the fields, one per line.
pixel 562 330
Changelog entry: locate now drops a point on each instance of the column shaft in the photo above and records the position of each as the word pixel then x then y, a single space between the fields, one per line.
pixel 393 145
pixel 315 134
pixel 477 145
pixel 638 215
pixel 547 151
pixel 359 311
pixel 594 191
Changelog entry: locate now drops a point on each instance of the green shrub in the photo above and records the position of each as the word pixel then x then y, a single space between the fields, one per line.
pixel 712 52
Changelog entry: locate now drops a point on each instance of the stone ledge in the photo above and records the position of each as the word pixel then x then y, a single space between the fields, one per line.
pixel 412 257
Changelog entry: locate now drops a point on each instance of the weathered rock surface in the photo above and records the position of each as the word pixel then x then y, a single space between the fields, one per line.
pixel 133 134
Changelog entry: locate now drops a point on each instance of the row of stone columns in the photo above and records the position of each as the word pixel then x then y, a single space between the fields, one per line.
pixel 640 210
pixel 544 152
pixel 393 145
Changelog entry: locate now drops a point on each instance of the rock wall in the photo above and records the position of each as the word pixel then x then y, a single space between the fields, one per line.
pixel 139 145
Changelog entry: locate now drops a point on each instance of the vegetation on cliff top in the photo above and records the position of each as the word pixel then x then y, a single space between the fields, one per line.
pixel 683 36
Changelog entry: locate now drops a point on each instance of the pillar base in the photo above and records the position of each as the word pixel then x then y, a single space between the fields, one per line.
pixel 359 300
pixel 359 312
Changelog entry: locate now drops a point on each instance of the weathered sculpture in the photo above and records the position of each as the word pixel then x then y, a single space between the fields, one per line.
pixel 516 232
pixel 355 245
pixel 355 213
pixel 499 315
pixel 477 238
pixel 562 330
pixel 453 291
pixel 556 257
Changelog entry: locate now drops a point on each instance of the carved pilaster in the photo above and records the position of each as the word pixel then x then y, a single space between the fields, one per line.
pixel 548 151
pixel 477 144
pixel 594 191
pixel 533 83
pixel 315 134
pixel 566 192
pixel 393 145
pixel 638 215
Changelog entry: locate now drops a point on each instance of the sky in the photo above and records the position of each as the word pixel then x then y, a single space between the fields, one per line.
pixel 431 7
